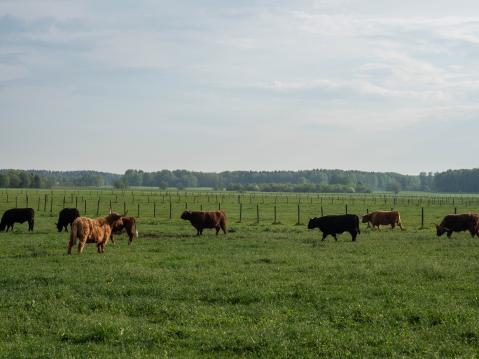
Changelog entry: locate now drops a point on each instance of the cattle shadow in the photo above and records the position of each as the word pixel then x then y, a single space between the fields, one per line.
pixel 23 232
pixel 164 235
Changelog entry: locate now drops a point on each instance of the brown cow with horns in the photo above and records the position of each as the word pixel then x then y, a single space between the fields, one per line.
pixel 128 225
pixel 383 218
pixel 89 230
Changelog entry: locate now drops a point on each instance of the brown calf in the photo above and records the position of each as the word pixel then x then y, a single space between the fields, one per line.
pixel 128 224
pixel 383 218
pixel 201 220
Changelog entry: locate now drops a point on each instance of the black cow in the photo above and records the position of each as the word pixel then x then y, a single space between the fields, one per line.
pixel 336 224
pixel 458 223
pixel 17 215
pixel 66 217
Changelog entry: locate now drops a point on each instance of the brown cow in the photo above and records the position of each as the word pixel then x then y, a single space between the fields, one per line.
pixel 201 220
pixel 458 223
pixel 92 231
pixel 379 218
pixel 128 224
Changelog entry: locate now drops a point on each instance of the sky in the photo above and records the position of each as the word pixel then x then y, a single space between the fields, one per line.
pixel 214 85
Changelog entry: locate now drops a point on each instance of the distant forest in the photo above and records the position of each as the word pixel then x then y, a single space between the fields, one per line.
pixel 318 180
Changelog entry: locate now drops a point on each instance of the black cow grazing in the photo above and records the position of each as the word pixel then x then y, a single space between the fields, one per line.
pixel 336 224
pixel 458 223
pixel 66 217
pixel 17 215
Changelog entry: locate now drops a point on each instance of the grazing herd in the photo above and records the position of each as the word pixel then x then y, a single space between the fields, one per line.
pixel 102 229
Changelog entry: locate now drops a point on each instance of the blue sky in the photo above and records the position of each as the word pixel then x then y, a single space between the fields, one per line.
pixel 213 85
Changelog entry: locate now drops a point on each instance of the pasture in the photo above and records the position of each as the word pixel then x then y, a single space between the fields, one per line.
pixel 264 290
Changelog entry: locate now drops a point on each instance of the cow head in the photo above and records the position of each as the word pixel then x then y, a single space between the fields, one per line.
pixel 186 215
pixel 59 227
pixel 440 230
pixel 2 226
pixel 114 220
pixel 311 223
pixel 366 218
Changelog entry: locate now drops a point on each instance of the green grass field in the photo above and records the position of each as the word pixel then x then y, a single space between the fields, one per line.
pixel 263 290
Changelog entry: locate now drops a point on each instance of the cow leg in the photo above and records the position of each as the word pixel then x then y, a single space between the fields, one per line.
pixel 449 234
pixel 81 245
pixel 217 228
pixel 198 231
pixel 393 225
pixel 324 236
pixel 112 240
pixel 335 238
pixel 70 245
pixel 354 235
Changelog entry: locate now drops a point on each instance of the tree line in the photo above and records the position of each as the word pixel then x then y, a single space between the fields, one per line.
pixel 10 178
pixel 316 180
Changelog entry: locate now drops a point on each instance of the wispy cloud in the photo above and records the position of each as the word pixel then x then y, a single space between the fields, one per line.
pixel 246 78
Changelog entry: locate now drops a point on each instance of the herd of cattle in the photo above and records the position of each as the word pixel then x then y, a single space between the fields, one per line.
pixel 100 230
